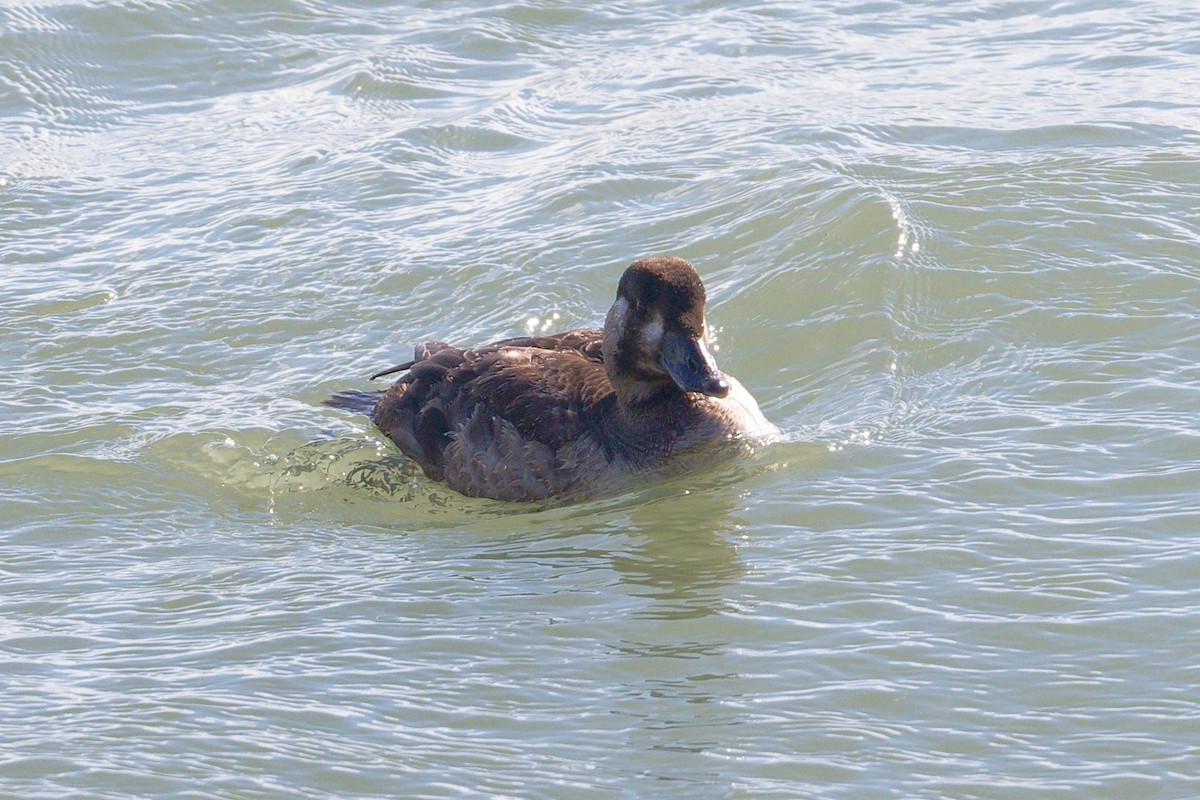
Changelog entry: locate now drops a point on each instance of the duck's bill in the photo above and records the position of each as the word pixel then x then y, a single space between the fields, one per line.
pixel 691 366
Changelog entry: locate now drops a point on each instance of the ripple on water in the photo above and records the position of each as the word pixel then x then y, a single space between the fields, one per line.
pixel 951 249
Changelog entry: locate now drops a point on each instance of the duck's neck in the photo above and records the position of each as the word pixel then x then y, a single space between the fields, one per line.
pixel 651 413
pixel 639 394
pixel 651 427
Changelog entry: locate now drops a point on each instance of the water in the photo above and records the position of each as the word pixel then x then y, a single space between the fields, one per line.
pixel 952 248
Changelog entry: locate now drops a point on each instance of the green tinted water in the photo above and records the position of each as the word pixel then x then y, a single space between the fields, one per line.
pixel 951 249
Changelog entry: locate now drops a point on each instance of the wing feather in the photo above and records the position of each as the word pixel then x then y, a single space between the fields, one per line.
pixel 547 389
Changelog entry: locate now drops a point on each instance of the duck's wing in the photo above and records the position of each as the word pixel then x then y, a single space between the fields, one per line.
pixel 510 404
pixel 421 352
pixel 588 342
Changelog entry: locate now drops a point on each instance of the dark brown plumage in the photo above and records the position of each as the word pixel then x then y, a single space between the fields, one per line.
pixel 534 417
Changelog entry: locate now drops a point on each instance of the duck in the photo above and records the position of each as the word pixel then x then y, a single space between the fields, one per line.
pixel 564 415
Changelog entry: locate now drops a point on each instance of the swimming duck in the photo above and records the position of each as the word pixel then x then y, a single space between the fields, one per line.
pixel 563 415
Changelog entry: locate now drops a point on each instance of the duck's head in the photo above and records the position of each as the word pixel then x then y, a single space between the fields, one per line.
pixel 655 337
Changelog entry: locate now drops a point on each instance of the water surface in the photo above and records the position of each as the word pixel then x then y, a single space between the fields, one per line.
pixel 952 248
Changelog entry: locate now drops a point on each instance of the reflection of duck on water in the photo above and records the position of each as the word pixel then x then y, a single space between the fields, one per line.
pixel 535 417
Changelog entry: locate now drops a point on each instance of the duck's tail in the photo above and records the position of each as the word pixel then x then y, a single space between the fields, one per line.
pixel 362 402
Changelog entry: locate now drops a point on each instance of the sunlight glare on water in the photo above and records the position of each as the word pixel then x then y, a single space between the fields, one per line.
pixel 952 249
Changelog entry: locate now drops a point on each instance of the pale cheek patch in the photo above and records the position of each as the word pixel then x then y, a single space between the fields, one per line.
pixel 653 332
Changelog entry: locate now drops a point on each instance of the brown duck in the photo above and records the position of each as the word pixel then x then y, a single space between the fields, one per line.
pixel 570 414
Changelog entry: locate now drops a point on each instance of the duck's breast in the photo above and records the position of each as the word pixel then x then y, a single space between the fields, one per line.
pixel 743 413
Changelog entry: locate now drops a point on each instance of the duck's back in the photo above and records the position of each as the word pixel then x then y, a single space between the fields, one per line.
pixel 517 420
